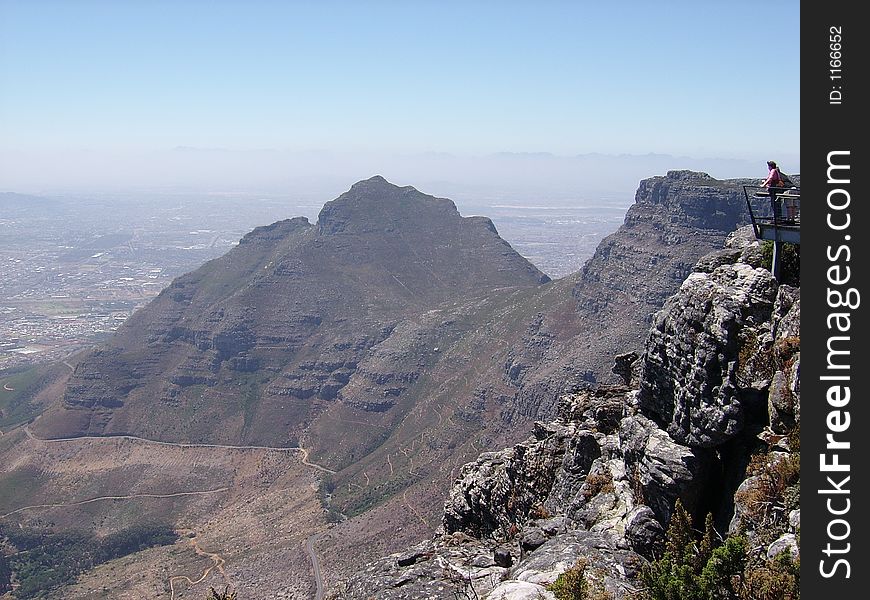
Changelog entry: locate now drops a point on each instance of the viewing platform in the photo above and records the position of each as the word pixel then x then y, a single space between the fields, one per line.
pixel 776 216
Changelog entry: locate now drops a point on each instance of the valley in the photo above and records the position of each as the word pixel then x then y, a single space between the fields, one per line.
pixel 232 506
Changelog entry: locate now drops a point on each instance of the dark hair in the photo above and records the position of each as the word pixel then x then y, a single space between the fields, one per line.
pixel 771 164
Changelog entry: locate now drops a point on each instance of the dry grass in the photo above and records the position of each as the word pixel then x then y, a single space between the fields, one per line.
pixel 764 498
pixel 597 483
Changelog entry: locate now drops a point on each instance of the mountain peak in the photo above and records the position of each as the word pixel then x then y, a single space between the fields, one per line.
pixel 375 204
pixel 376 183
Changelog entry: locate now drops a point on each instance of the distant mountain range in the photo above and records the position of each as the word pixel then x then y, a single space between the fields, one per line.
pixel 326 173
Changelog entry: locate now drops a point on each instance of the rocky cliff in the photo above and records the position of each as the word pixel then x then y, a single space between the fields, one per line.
pixel 606 308
pixel 710 420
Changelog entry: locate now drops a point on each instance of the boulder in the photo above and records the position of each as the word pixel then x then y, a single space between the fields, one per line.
pixel 644 532
pixel 660 469
pixel 520 590
pixel 787 542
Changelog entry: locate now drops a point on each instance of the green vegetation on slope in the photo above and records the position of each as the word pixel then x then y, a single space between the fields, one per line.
pixel 46 561
pixel 701 567
pixel 17 392
pixel 575 584
pixel 790 269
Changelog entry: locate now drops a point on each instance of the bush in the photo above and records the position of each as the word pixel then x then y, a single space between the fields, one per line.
pixel 765 497
pixel 692 568
pixel 571 585
pixel 224 595
pixel 538 511
pixel 778 579
pixel 5 575
pixel 596 483
pixel 574 584
pixel 790 267
pixel 47 560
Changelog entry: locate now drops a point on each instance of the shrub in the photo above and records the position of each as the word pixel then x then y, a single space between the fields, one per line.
pixel 694 569
pixel 785 349
pixel 574 584
pixel 213 594
pixel 539 511
pixel 777 579
pixel 765 497
pixel 722 570
pixel 46 560
pixel 596 483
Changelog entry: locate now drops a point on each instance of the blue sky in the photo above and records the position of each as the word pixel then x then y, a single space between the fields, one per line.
pixel 465 78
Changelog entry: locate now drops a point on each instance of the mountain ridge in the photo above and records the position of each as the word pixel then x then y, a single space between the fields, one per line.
pixel 264 304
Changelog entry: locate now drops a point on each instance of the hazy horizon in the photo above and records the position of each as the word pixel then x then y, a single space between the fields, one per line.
pixel 203 171
pixel 281 96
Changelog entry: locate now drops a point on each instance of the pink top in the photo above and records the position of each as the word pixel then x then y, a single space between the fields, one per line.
pixel 773 178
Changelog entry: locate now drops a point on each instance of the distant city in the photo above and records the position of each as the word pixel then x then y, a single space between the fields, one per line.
pixel 74 268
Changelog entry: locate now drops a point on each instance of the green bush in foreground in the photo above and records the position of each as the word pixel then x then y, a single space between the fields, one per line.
pixel 699 568
pixel 777 579
pixel 693 569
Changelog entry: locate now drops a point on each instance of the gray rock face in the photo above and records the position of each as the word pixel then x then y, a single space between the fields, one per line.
pixel 794 520
pixel 611 565
pixel 740 508
pixel 781 403
pixel 710 262
pixel 486 502
pixel 444 568
pixel 520 590
pixel 623 365
pixel 643 531
pixel 662 470
pixel 786 315
pixel 502 557
pixel 605 309
pixel 691 382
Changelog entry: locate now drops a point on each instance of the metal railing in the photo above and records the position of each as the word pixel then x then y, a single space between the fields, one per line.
pixel 773 207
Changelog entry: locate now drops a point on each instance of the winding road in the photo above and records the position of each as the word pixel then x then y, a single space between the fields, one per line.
pixel 125 497
pixel 217 560
pixel 217 563
pixel 315 564
pixel 304 451
pixel 414 510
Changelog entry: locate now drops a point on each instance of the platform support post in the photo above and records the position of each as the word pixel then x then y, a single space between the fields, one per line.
pixel 776 266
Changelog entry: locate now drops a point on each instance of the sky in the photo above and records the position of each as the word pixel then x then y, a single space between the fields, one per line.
pixel 186 92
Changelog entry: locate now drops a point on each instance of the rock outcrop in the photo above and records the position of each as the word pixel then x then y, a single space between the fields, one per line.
pixel 600 482
pixel 697 379
pixel 606 308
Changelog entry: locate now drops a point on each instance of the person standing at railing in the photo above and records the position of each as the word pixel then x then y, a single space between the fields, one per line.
pixel 774 185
